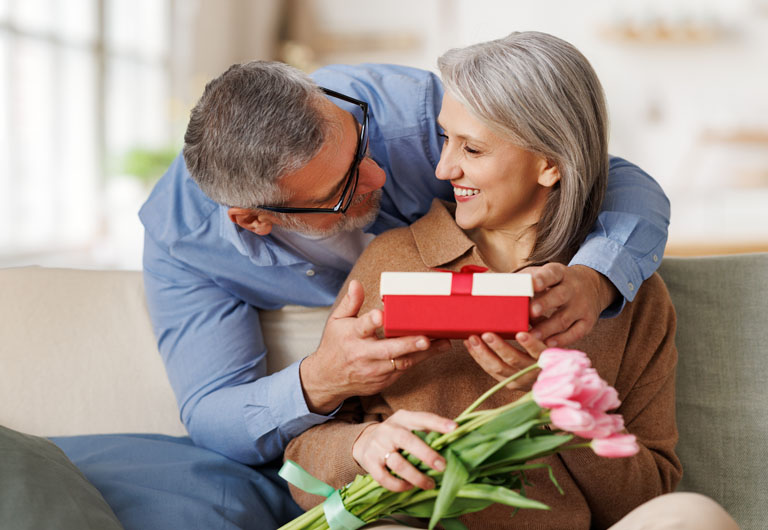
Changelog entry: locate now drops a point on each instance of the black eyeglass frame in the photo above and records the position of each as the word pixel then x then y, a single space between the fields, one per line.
pixel 348 192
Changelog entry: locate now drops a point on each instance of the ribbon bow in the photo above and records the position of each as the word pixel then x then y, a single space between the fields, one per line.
pixel 335 513
pixel 461 282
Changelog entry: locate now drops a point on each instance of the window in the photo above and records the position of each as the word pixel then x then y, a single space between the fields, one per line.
pixel 82 82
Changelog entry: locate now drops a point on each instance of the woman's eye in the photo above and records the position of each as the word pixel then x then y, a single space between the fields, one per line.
pixel 443 136
pixel 470 150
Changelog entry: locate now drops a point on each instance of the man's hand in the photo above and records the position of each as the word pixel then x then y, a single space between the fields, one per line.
pixel 567 302
pixel 352 361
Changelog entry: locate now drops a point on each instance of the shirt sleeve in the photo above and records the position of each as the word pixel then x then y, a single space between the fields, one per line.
pixel 215 358
pixel 627 241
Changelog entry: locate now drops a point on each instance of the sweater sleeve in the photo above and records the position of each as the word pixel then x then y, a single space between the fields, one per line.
pixel 325 450
pixel 613 487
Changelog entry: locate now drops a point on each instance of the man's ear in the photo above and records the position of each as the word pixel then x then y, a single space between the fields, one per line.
pixel 549 174
pixel 257 221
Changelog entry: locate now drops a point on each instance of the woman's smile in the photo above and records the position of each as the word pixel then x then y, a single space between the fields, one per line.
pixel 463 194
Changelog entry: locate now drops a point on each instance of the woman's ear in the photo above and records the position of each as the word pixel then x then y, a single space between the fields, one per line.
pixel 549 174
pixel 257 221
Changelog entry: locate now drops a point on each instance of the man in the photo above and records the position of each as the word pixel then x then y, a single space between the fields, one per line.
pixel 279 194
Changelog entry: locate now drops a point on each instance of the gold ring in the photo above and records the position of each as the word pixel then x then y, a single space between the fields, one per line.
pixel 394 368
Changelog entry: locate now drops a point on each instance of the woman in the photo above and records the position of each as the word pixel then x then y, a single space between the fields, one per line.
pixel 526 150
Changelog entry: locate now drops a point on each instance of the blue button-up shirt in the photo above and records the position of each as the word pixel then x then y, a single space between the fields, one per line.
pixel 206 277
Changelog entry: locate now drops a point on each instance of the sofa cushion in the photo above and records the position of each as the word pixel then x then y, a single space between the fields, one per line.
pixel 41 488
pixel 722 403
pixel 79 355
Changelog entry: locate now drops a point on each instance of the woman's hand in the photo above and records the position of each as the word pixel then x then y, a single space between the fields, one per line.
pixel 500 359
pixel 376 449
pixel 567 301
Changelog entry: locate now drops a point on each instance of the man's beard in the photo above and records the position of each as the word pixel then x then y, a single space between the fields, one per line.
pixel 345 224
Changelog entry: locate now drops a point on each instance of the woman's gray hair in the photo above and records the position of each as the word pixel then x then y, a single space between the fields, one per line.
pixel 254 123
pixel 541 93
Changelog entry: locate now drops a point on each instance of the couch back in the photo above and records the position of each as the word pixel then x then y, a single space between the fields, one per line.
pixel 722 400
pixel 78 356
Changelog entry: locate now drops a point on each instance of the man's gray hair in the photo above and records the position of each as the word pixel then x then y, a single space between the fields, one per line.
pixel 254 123
pixel 541 93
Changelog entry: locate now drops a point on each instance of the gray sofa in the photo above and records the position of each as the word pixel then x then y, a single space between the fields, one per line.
pixel 77 356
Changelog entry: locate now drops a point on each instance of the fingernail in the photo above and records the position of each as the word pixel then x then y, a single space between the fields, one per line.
pixel 439 465
pixel 551 343
pixel 488 338
pixel 422 344
pixel 535 310
pixel 537 334
pixel 474 341
pixel 522 336
pixel 451 425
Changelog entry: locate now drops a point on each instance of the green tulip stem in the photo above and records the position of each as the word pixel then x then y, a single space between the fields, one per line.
pixel 479 401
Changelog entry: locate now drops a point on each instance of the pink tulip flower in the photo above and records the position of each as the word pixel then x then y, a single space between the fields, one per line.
pixel 605 425
pixel 556 391
pixel 616 446
pixel 571 419
pixel 608 400
pixel 556 361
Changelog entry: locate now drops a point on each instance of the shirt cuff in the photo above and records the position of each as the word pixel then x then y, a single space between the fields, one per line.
pixel 288 407
pixel 613 261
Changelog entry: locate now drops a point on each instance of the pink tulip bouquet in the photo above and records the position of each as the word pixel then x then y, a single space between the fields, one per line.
pixel 489 452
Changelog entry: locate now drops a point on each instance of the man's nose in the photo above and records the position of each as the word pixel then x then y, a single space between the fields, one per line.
pixel 372 177
pixel 448 167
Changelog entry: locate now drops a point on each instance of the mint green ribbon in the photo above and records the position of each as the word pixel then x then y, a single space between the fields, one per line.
pixel 335 512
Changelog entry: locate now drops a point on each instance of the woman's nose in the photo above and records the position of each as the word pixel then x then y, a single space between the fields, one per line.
pixel 371 178
pixel 447 167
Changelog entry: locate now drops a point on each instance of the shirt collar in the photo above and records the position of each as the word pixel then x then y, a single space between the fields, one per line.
pixel 440 241
pixel 263 251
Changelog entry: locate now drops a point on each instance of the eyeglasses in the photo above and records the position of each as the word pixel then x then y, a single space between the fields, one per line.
pixel 350 184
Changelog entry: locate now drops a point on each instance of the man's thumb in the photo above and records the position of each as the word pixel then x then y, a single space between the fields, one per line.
pixel 352 302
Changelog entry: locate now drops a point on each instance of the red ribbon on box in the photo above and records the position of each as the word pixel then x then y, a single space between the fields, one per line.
pixel 461 282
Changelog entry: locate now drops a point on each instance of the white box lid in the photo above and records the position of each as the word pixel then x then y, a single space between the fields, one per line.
pixel 439 284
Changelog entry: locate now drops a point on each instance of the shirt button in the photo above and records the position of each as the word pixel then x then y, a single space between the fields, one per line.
pixel 655 258
pixel 310 272
pixel 631 286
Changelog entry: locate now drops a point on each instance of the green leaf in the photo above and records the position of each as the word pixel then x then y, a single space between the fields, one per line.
pixel 476 455
pixel 453 524
pixel 424 509
pixel 524 449
pixel 454 477
pixel 500 495
pixel 503 422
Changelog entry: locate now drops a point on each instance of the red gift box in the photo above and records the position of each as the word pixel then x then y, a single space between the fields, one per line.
pixel 455 305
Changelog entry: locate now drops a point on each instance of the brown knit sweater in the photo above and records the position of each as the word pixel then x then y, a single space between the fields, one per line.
pixel 634 352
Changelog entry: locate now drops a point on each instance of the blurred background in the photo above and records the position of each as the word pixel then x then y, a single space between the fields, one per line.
pixel 95 96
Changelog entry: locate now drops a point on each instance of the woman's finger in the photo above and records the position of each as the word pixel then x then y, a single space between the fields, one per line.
pixel 381 474
pixel 531 344
pixel 506 352
pixel 397 463
pixel 486 358
pixel 422 421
